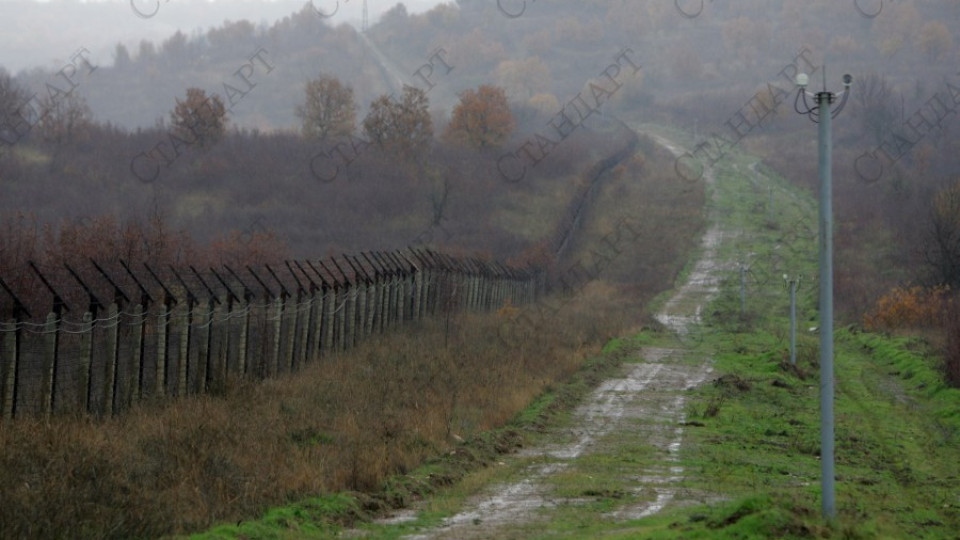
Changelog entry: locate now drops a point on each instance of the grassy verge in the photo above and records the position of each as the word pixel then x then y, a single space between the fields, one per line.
pixel 753 446
pixel 750 454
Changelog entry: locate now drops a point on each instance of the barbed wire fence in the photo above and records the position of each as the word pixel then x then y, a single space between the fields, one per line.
pixel 167 333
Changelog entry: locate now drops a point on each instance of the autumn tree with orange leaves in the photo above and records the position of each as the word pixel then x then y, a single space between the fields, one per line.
pixel 482 118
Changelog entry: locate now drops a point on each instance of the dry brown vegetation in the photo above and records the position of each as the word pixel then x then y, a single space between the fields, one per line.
pixel 344 423
pixel 347 422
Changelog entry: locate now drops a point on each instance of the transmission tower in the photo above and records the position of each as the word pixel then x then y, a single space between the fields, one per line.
pixel 366 18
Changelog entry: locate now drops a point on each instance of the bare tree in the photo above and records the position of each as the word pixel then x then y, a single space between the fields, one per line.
pixel 874 106
pixel 438 199
pixel 942 248
pixel 63 117
pixel 329 109
pixel 12 97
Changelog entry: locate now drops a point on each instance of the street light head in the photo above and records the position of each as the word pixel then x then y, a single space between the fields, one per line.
pixel 847 80
pixel 802 80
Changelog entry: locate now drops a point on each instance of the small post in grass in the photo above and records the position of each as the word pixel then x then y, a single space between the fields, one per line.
pixel 793 284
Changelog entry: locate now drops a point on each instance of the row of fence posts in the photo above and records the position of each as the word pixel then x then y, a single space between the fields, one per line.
pixel 186 333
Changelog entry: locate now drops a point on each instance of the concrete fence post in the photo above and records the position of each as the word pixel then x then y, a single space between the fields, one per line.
pixel 86 362
pixel 183 360
pixel 110 381
pixel 329 305
pixel 341 319
pixel 290 334
pixel 163 341
pixel 273 363
pixel 51 336
pixel 10 367
pixel 350 317
pixel 137 350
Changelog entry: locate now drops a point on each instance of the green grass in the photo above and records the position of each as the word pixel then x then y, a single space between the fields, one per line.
pixel 751 452
pixel 313 518
pixel 757 444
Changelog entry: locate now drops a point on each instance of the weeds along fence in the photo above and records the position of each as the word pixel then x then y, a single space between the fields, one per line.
pixel 573 214
pixel 175 332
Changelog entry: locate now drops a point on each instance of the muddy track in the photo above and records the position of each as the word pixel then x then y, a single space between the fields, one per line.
pixel 644 408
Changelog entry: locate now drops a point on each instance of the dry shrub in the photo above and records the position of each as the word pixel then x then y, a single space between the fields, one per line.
pixel 914 307
pixel 346 422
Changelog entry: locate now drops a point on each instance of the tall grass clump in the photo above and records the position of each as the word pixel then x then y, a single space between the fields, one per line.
pixel 344 423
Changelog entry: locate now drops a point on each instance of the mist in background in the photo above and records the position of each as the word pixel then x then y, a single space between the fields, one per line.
pixel 44 34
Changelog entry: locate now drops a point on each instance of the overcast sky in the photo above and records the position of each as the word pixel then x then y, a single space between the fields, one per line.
pixel 44 35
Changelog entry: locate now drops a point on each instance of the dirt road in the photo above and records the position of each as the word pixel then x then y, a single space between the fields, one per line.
pixel 640 414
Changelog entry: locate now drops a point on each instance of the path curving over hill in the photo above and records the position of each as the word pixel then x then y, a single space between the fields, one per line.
pixel 639 416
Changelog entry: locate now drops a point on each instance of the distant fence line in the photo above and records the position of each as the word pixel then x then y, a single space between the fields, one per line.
pixel 186 332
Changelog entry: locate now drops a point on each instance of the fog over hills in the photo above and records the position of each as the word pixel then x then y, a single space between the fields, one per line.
pixel 43 34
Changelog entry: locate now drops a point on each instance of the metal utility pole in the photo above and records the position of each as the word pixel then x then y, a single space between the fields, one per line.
pixel 822 114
